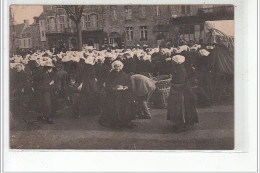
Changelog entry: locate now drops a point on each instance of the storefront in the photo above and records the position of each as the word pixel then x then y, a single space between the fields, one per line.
pixel 161 33
pixel 61 41
pixel 93 38
pixel 188 29
pixel 115 40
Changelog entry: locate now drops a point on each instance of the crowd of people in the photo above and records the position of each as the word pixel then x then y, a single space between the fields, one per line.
pixel 115 84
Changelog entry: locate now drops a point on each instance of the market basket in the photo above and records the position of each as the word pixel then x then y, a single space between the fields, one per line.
pixel 161 94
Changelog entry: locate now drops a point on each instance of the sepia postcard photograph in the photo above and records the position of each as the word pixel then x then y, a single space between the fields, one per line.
pixel 121 77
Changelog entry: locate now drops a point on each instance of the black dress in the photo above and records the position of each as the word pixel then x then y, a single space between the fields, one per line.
pixel 181 104
pixel 88 96
pixel 117 111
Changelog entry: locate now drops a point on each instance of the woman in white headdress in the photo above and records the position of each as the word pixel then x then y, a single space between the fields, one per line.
pixel 203 68
pixel 181 104
pixel 117 112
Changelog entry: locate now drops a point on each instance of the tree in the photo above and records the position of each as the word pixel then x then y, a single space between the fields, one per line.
pixel 74 12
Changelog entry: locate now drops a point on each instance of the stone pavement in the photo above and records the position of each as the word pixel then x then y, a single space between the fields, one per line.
pixel 215 131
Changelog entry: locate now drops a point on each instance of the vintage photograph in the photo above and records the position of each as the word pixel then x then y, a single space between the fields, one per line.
pixel 121 77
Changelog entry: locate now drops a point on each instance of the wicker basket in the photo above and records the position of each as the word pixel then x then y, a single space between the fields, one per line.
pixel 160 99
pixel 161 94
pixel 163 81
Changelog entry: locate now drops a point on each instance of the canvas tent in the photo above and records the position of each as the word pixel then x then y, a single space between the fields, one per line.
pixel 221 34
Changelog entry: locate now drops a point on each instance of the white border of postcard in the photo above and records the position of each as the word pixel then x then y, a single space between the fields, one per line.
pixel 242 159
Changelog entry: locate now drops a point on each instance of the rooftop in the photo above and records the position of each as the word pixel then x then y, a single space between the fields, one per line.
pixel 18 29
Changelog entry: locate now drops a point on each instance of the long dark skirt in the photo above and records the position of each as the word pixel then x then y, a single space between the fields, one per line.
pixel 49 101
pixel 117 111
pixel 88 99
pixel 181 106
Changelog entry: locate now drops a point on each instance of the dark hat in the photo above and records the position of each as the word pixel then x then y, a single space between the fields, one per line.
pixel 61 66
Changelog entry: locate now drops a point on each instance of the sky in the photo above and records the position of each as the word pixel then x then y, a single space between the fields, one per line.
pixel 23 12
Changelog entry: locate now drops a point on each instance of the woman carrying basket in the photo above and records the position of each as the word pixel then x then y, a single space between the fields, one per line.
pixel 181 104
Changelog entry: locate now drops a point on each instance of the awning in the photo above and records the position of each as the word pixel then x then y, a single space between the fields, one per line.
pixel 225 26
pixel 187 20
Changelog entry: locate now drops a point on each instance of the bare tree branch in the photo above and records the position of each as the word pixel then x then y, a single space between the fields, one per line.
pixel 81 10
pixel 74 12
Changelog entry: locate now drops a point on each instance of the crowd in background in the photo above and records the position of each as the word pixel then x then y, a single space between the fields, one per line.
pixel 101 82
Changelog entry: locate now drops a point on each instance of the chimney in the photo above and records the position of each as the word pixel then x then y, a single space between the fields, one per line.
pixel 26 22
pixel 35 19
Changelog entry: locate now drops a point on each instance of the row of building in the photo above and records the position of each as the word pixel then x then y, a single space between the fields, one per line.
pixel 119 26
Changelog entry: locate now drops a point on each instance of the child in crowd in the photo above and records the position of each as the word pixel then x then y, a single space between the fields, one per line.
pixel 73 95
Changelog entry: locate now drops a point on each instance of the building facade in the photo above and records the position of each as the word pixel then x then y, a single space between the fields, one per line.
pixel 187 21
pixel 56 30
pixel 118 26
pixel 25 42
pixel 11 33
pixel 92 25
pixel 35 37
pixel 30 37
pixel 16 36
pixel 136 24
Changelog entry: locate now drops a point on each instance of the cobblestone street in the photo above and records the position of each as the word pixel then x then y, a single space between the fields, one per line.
pixel 214 131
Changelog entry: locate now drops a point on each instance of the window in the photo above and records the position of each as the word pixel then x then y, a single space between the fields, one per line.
pixel 143 32
pixel 52 24
pixel 24 43
pixel 29 42
pixel 188 9
pixel 20 43
pixel 49 24
pixel 187 32
pixel 92 21
pixel 129 33
pixel 55 24
pixel 183 9
pixel 61 23
pixel 157 10
pixel 88 21
pixel 60 11
pixel 42 34
pixel 128 13
pixel 113 12
pixel 97 21
pixel 173 10
pixel 47 27
pixel 82 20
pixel 142 12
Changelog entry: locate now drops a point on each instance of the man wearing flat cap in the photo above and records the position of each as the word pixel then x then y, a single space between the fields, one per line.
pixel 48 94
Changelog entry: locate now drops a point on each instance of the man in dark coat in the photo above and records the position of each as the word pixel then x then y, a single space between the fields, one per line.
pixel 48 93
pixel 20 89
pixel 73 93
pixel 129 64
pixel 61 80
pixel 89 89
